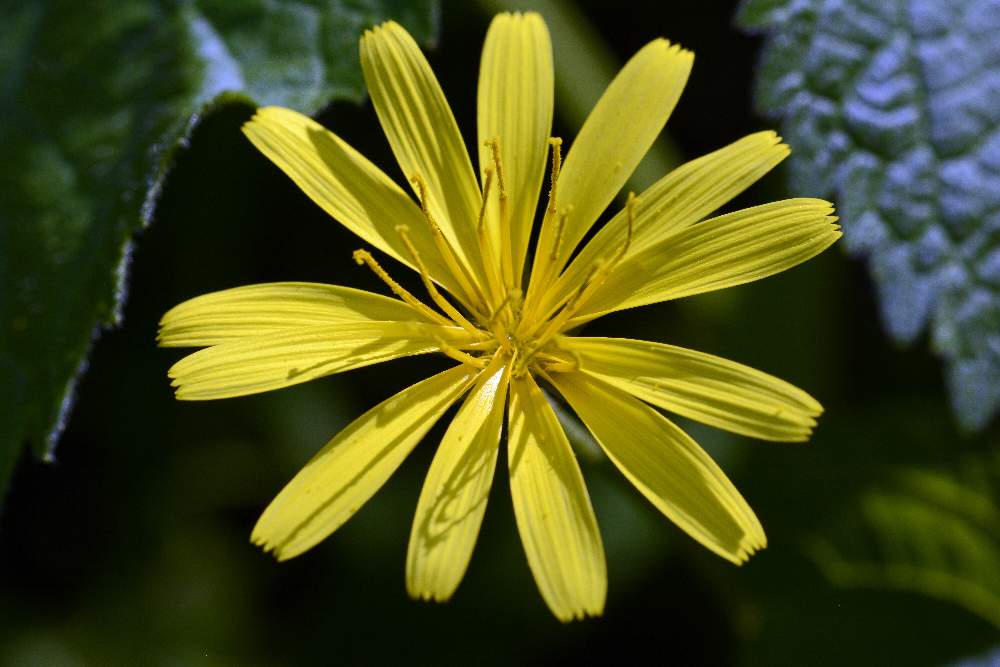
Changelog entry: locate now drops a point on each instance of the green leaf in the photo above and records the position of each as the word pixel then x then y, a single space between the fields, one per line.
pixel 924 530
pixel 891 106
pixel 95 99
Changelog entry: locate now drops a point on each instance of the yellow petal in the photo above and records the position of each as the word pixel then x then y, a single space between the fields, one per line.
pixel 515 105
pixel 422 132
pixel 700 386
pixel 453 499
pixel 258 310
pixel 676 201
pixel 347 186
pixel 721 252
pixel 264 363
pixel 552 507
pixel 355 464
pixel 667 466
pixel 615 137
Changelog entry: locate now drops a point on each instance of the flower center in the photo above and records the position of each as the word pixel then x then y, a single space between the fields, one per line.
pixel 500 317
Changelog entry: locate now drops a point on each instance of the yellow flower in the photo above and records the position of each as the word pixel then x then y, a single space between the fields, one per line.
pixel 506 324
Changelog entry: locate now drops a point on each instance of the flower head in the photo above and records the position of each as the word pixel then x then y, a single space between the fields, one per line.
pixel 503 311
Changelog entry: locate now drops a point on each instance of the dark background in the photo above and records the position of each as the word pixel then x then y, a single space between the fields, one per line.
pixel 134 547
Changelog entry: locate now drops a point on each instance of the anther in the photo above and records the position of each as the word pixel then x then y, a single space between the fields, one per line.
pixel 436 296
pixel 556 144
pixel 506 256
pixel 560 226
pixel 365 257
pixel 421 186
pixel 597 270
pixel 545 263
pixel 494 277
pixel 486 194
pixel 457 268
pixel 633 201
pixel 494 145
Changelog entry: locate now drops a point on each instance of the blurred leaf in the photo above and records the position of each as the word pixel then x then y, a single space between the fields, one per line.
pixel 891 106
pixel 927 531
pixel 95 98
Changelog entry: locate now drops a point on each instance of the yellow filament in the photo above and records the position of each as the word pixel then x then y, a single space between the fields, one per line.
pixel 542 267
pixel 457 268
pixel 517 367
pixel 506 251
pixel 558 364
pixel 546 360
pixel 493 278
pixel 597 275
pixel 633 201
pixel 365 257
pixel 556 144
pixel 560 226
pixel 596 279
pixel 436 296
pixel 486 196
pixel 460 356
pixel 494 145
pixel 513 298
pixel 512 303
pixel 487 344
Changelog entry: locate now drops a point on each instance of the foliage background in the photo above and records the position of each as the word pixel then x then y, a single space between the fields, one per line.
pixel 133 547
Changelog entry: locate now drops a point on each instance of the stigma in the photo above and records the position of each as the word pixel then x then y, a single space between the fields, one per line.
pixel 502 316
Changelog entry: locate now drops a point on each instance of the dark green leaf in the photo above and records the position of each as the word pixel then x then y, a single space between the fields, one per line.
pixel 924 530
pixel 95 98
pixel 891 106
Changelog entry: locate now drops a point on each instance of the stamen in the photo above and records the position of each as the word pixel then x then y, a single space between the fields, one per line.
pixel 560 226
pixel 460 356
pixel 552 362
pixel 556 144
pixel 364 257
pixel 513 298
pixel 598 274
pixel 457 268
pixel 485 345
pixel 544 263
pixel 506 253
pixel 486 195
pixel 436 296
pixel 633 201
pixel 558 364
pixel 422 197
pixel 494 145
pixel 572 305
pixel 517 366
pixel 494 278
